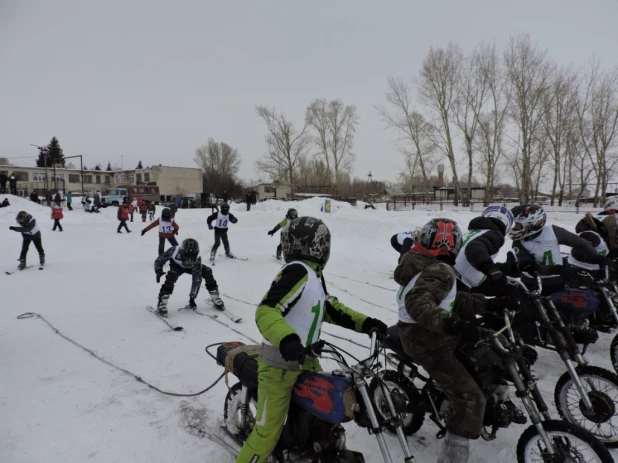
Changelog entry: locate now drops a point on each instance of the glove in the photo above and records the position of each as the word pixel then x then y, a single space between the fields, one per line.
pixel 176 232
pixel 529 266
pixel 271 233
pixel 210 227
pixel 494 273
pixel 468 331
pixel 143 232
pixel 565 271
pixel 12 228
pixel 159 275
pixel 371 324
pixel 292 349
pixel 192 304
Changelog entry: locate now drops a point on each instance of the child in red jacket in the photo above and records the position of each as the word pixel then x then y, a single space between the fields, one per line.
pixel 123 216
pixel 143 208
pixel 57 215
pixel 167 229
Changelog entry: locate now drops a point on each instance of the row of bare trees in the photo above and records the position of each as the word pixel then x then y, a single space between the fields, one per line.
pixel 513 113
pixel 319 154
pixel 220 163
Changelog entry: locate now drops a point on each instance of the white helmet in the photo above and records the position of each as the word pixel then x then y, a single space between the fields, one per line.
pixel 611 204
pixel 529 219
pixel 502 214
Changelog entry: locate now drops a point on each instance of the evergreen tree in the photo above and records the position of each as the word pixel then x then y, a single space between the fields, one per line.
pixel 51 154
pixel 139 165
pixel 97 167
pixel 109 167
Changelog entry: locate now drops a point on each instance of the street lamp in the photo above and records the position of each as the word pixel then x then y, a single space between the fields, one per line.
pixel 81 167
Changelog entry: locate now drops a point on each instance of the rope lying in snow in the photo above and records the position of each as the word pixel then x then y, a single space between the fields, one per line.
pixel 228 326
pixel 107 362
pixel 363 282
pixel 361 299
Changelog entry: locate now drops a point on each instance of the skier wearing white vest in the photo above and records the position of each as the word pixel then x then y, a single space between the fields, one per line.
pixel 222 219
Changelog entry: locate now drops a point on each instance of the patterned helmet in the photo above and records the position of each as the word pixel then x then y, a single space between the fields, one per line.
pixel 225 208
pixel 611 204
pixel 292 213
pixel 306 238
pixel 529 219
pixel 502 214
pixel 442 236
pixel 166 214
pixel 23 218
pixel 189 252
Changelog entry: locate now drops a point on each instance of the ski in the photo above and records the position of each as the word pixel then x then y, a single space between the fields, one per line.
pixel 153 311
pixel 233 318
pixel 188 309
pixel 237 258
pixel 15 271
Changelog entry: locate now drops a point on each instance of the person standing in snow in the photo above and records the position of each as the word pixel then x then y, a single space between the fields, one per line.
pixel 283 225
pixel 3 180
pixel 31 234
pixel 123 216
pixel 13 184
pixel 57 215
pixel 167 229
pixel 57 198
pixel 222 219
pixel 143 209
pixel 69 200
pixel 185 259
pixel 300 288
pixel 34 197
pixel 173 209
pixel 152 209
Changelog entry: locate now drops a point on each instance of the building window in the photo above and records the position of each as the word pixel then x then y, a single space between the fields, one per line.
pixel 21 176
pixel 87 178
pixel 108 179
pixel 139 178
pixel 73 178
pixel 59 177
pixel 269 189
pixel 122 178
pixel 98 177
pixel 39 177
pixel 147 177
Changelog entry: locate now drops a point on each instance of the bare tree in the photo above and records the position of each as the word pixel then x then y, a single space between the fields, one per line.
pixel 415 135
pixel 220 163
pixel 528 70
pixel 314 173
pixel 436 85
pixel 334 124
pixel 286 145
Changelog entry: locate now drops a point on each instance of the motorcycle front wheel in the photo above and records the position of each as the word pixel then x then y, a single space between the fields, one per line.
pixel 613 352
pixel 571 443
pixel 602 388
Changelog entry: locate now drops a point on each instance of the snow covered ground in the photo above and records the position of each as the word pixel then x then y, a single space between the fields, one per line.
pixel 59 404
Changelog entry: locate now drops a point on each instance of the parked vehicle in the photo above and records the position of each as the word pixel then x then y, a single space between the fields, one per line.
pixel 115 196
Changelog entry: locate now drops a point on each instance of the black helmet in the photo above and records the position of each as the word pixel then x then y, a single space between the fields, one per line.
pixel 166 214
pixel 306 238
pixel 23 218
pixel 292 213
pixel 441 237
pixel 189 252
pixel 225 208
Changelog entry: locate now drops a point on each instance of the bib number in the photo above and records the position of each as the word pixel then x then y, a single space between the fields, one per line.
pixel 317 312
pixel 469 236
pixel 222 223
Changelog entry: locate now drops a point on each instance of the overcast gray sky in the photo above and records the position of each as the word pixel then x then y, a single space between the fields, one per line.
pixel 153 79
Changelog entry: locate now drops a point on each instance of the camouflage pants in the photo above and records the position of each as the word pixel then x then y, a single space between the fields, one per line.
pixel 436 354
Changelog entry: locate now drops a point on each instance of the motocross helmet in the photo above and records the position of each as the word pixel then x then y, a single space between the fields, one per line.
pixel 441 237
pixel 611 204
pixel 225 208
pixel 502 214
pixel 292 214
pixel 529 219
pixel 166 214
pixel 189 252
pixel 23 218
pixel 306 238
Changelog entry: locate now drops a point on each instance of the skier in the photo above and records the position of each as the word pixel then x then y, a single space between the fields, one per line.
pixel 5 203
pixel 283 225
pixel 57 215
pixel 123 216
pixel 69 200
pixel 185 259
pixel 31 234
pixel 221 218
pixel 402 242
pixel 143 208
pixel 300 289
pixel 167 229
pixel 134 208
pixel 433 319
pixel 475 261
pixel 534 239
pixel 152 209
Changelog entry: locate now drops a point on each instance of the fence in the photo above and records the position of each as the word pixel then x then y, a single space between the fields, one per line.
pixel 478 207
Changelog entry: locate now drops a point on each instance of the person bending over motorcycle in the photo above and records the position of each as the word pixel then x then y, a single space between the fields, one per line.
pixel 290 317
pixel 433 318
pixel 533 238
pixel 402 242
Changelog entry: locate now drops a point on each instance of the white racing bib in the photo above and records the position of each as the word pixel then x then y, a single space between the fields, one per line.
pixel 165 227
pixel 470 276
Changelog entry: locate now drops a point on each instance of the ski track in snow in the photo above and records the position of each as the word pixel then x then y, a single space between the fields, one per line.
pixel 59 404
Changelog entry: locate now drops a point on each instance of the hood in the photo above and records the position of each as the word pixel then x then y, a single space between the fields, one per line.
pixel 413 263
pixel 486 223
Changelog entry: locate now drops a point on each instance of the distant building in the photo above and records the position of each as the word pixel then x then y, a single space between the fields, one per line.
pixel 272 190
pixel 172 181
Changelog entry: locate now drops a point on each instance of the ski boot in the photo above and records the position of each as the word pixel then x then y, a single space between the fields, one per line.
pixel 192 305
pixel 213 253
pixel 279 254
pixel 216 300
pixel 230 254
pixel 162 306
pixel 42 259
pixel 22 264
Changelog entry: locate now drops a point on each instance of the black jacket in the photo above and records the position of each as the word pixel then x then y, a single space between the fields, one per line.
pixel 3 179
pixel 13 180
pixel 480 249
pixel 196 269
pixel 28 228
pixel 214 216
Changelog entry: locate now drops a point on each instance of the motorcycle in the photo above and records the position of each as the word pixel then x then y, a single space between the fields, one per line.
pixel 493 365
pixel 312 432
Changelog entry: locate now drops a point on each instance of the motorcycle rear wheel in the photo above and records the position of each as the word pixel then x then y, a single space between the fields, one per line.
pixel 231 413
pixel 573 445
pixel 613 352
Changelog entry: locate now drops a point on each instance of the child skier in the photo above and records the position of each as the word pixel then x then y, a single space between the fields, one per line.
pixel 143 209
pixel 31 234
pixel 283 225
pixel 123 215
pixel 221 218
pixel 185 259
pixel 152 209
pixel 56 215
pixel 167 229
pixel 299 288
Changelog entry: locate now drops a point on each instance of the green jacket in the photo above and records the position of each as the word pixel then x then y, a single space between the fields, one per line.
pixel 270 315
pixel 280 225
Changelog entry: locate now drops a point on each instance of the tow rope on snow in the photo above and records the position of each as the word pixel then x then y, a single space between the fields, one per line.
pixel 107 362
pixel 363 282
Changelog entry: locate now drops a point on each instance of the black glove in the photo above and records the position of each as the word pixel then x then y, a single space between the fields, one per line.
pixel 12 228
pixel 498 304
pixel 371 324
pixel 176 231
pixel 495 274
pixel 467 331
pixel 159 275
pixel 292 349
pixel 143 232
pixel 529 266
pixel 271 233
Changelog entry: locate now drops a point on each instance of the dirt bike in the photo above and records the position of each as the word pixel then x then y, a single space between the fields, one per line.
pixel 493 366
pixel 313 431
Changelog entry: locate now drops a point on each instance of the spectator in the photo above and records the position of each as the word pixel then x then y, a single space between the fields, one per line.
pixel 173 209
pixel 13 184
pixel 48 198
pixel 225 196
pixel 34 197
pixel 5 203
pixel 57 198
pixel 97 200
pixel 248 199
pixel 69 200
pixel 3 180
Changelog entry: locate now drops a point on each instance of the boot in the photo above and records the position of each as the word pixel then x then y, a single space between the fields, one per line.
pixel 42 259
pixel 455 449
pixel 279 254
pixel 216 300
pixel 213 253
pixel 162 306
pixel 22 264
pixel 229 254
